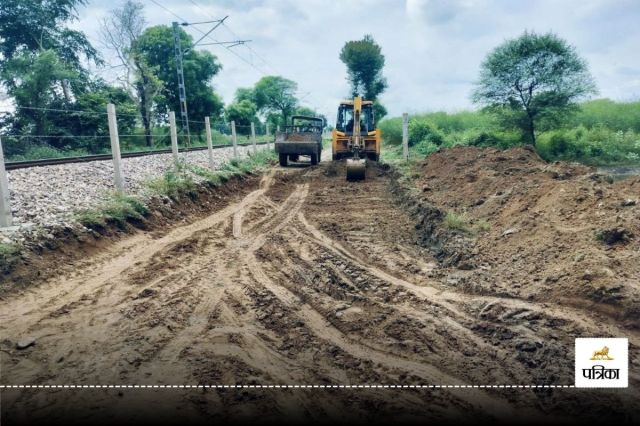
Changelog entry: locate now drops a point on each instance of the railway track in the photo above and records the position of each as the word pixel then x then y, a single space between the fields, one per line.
pixel 13 165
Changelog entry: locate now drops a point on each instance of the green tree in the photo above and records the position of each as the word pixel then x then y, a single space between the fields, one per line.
pixel 156 46
pixel 364 61
pixel 35 25
pixel 379 111
pixel 245 94
pixel 46 112
pixel 34 81
pixel 303 110
pixel 533 79
pixel 91 119
pixel 243 113
pixel 42 62
pixel 276 94
pixel 120 32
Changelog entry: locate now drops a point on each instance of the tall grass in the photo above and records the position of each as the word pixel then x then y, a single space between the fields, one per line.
pixel 602 132
pixel 605 113
pixel 118 209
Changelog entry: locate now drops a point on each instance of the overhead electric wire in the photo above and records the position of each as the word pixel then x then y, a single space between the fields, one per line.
pixel 67 111
pixel 209 36
pixel 267 63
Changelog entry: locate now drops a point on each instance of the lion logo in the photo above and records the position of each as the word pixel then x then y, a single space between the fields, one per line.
pixel 602 354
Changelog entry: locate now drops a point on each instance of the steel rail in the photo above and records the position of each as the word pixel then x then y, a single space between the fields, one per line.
pixel 13 165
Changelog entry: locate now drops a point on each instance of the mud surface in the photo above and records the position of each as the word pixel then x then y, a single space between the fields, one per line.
pixel 305 279
pixel 538 231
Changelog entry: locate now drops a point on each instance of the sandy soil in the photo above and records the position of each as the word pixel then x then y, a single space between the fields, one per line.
pixel 304 278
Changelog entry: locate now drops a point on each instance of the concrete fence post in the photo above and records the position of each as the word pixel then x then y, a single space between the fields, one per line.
pixel 207 126
pixel 405 136
pixel 115 147
pixel 268 137
pixel 174 137
pixel 234 139
pixel 6 218
pixel 267 129
pixel 253 137
pixel 274 136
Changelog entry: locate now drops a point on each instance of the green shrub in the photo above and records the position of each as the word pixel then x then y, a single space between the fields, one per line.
pixel 214 177
pixel 425 148
pixel 41 152
pixel 218 138
pixel 456 222
pixel 602 132
pixel 482 226
pixel 172 184
pixel 8 249
pixel 235 167
pixel 118 209
pixel 609 114
pixel 597 146
pixel 391 129
pixel 421 130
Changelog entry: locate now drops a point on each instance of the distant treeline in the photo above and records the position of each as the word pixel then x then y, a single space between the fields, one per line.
pixel 58 102
pixel 599 132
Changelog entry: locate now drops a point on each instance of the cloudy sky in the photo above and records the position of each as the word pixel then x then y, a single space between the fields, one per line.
pixel 433 48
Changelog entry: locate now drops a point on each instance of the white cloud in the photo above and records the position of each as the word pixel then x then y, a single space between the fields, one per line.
pixel 433 48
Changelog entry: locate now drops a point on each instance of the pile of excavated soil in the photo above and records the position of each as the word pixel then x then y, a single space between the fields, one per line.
pixel 540 231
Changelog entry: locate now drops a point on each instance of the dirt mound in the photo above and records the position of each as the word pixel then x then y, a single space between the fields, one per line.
pixel 540 231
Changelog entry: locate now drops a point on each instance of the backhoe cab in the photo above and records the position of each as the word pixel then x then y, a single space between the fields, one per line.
pixel 356 137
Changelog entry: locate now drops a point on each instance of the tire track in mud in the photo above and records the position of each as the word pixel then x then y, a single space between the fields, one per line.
pixel 307 279
pixel 444 298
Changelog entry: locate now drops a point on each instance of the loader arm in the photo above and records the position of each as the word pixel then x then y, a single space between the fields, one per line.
pixel 356 136
pixel 356 166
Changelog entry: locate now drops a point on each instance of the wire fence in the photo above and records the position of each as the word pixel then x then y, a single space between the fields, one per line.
pixel 56 133
pixel 116 135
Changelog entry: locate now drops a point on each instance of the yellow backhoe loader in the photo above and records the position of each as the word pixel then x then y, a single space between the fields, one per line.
pixel 356 137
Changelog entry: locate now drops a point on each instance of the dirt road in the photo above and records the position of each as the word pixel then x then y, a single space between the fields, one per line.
pixel 302 279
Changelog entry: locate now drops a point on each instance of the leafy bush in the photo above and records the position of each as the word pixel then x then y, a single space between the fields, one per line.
pixel 602 132
pixel 214 177
pixel 610 114
pixel 425 148
pixel 421 131
pixel 391 131
pixel 480 137
pixel 597 146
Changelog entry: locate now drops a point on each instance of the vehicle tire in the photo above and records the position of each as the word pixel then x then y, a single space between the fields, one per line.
pixel 314 159
pixel 283 159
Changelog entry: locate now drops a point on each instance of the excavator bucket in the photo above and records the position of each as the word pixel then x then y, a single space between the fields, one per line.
pixel 356 168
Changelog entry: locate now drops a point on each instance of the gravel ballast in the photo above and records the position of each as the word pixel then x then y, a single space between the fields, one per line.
pixel 48 197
